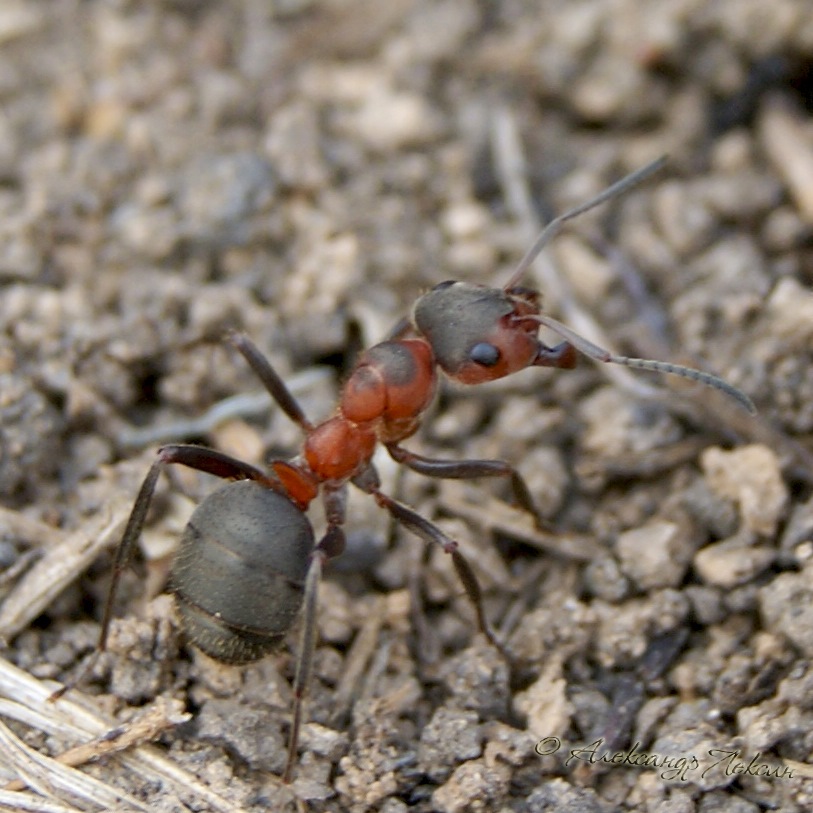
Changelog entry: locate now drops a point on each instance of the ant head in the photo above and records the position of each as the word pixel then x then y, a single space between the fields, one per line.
pixel 478 333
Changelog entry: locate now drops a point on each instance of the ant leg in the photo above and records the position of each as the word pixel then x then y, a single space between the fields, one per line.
pixel 307 644
pixel 195 457
pixel 210 461
pixel 331 544
pixel 335 502
pixel 466 469
pixel 429 532
pixel 398 330
pixel 270 379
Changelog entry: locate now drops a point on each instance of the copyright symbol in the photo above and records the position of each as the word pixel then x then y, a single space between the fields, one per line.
pixel 549 745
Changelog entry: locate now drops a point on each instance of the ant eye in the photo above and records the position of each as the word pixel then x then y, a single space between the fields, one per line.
pixel 485 354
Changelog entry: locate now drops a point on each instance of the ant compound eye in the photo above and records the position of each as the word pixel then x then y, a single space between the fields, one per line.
pixel 445 284
pixel 484 354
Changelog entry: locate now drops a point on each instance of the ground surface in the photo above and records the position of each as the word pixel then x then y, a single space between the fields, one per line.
pixel 303 171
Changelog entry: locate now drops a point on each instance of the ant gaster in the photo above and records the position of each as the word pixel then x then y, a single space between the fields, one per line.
pixel 248 564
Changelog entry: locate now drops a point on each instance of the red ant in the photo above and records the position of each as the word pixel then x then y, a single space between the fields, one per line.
pixel 247 562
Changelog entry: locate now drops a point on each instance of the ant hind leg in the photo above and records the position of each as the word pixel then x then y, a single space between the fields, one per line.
pixel 429 532
pixel 196 457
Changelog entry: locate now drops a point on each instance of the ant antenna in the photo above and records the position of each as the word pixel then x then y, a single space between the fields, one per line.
pixel 555 226
pixel 597 353
pixel 586 347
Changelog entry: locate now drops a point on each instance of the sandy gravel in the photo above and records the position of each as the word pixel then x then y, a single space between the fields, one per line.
pixel 303 171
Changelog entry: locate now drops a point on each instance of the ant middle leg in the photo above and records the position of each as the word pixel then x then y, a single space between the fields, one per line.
pixel 469 469
pixel 331 545
pixel 304 661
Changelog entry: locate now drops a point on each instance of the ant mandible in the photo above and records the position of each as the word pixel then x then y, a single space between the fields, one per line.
pixel 248 564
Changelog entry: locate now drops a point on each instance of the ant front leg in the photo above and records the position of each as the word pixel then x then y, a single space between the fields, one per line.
pixel 469 469
pixel 276 387
pixel 194 457
pixel 429 532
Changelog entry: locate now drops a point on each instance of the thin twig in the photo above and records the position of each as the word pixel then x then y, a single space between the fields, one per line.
pixel 364 645
pixel 161 715
pixel 243 405
pixel 69 719
pixel 59 566
pixel 50 778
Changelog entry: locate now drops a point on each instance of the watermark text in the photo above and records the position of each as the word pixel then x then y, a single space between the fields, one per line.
pixel 674 767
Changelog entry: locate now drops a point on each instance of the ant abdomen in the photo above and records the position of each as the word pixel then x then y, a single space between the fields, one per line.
pixel 240 569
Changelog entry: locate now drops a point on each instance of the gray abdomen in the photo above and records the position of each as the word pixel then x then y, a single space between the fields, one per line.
pixel 240 570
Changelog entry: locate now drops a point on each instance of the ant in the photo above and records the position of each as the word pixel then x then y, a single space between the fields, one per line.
pixel 248 563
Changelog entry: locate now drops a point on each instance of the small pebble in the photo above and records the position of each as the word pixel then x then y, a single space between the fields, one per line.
pixel 786 605
pixel 752 477
pixel 657 554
